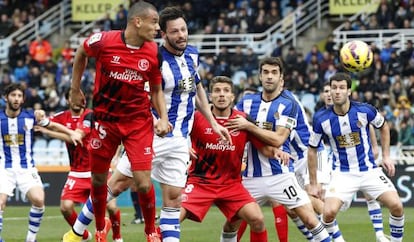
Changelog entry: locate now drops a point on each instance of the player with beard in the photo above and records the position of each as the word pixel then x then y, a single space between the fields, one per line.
pixel 17 167
pixel 214 174
pixel 125 61
pixel 183 92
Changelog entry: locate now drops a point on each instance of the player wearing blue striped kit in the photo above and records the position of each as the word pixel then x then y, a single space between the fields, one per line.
pixel 17 167
pixel 346 126
pixel 276 113
pixel 299 150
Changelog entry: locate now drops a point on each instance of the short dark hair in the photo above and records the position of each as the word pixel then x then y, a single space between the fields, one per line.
pixel 168 14
pixel 140 9
pixel 221 79
pixel 274 61
pixel 341 76
pixel 13 87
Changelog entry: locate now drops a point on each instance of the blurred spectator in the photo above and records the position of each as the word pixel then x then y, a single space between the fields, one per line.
pixel 121 18
pixel 326 61
pixel 223 69
pixel 290 59
pixel 393 66
pixel 405 56
pixel 402 108
pixel 208 30
pixel 314 52
pixel 67 53
pixel 405 134
pixel 313 82
pixel 393 133
pixel 397 91
pixel 238 59
pixel 365 84
pixel 278 50
pixel 32 98
pixel 190 16
pixel 260 25
pixel 369 98
pixel 273 15
pixel 35 77
pixel 301 65
pixel 329 72
pixel 40 50
pixel 107 23
pixel 386 52
pixel 21 72
pixel 252 62
pixel 384 15
pixel 382 90
pixel 5 79
pixel 5 25
pixel 330 45
pixel 16 52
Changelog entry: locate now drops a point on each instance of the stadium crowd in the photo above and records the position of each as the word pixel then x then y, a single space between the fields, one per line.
pixel 388 84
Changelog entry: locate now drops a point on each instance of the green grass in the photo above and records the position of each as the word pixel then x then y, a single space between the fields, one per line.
pixel 354 223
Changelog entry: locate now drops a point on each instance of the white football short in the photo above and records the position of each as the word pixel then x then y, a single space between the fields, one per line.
pixel 22 179
pixel 323 171
pixel 170 163
pixel 344 185
pixel 282 188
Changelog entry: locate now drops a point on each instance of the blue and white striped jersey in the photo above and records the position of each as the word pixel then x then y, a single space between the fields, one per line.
pixel 179 79
pixel 299 137
pixel 348 136
pixel 16 140
pixel 282 111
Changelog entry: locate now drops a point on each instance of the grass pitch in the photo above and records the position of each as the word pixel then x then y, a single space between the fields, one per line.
pixel 354 223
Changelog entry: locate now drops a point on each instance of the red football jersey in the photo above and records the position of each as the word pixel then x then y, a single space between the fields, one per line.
pixel 217 161
pixel 78 155
pixel 121 72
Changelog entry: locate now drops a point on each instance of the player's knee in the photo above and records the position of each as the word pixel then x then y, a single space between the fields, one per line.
pixel 257 223
pixel 144 187
pixel 38 201
pixel 99 180
pixel 2 205
pixel 396 209
pixel 65 209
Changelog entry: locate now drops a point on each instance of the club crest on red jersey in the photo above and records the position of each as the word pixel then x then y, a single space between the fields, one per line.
pixel 143 64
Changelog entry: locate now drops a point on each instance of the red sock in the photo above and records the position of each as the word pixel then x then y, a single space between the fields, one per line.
pixel 281 222
pixel 258 236
pixel 71 219
pixel 241 230
pixel 116 224
pixel 147 203
pixel 98 195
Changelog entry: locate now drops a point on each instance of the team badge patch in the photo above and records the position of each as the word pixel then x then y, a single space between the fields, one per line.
pixel 96 144
pixel 95 38
pixel 143 64
pixel 276 115
pixel 359 124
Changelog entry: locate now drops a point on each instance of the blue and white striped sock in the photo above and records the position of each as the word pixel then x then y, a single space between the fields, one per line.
pixel 170 224
pixel 35 219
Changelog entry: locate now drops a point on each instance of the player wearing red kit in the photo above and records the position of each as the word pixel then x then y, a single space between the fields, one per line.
pixel 78 184
pixel 125 60
pixel 214 174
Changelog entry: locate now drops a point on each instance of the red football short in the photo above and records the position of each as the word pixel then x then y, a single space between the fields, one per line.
pixel 76 189
pixel 197 199
pixel 136 135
